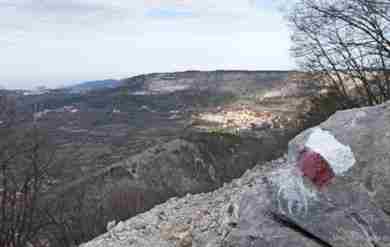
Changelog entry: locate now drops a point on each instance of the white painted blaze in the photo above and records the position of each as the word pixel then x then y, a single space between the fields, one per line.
pixel 293 197
pixel 339 156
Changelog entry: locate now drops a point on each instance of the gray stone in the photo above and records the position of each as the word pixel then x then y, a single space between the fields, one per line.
pixel 351 210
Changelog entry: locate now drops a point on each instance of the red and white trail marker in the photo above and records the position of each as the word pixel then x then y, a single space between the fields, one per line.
pixel 323 157
pixel 320 159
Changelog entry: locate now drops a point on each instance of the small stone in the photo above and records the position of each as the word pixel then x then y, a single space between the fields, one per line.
pixel 110 225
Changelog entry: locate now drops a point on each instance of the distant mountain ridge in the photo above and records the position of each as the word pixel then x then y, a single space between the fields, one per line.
pixel 233 81
pixel 94 85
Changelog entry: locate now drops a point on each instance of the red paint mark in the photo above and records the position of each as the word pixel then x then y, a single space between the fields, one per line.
pixel 314 167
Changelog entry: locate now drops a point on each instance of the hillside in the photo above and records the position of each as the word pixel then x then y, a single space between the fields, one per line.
pixel 274 204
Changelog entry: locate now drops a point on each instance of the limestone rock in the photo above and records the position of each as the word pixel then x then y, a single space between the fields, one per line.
pixel 350 211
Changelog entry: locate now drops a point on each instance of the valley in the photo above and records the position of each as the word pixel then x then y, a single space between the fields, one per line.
pixel 124 149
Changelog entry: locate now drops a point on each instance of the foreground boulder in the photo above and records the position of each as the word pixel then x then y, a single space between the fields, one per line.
pixel 332 189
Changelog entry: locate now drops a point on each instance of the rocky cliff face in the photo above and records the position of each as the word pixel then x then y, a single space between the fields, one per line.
pixel 232 81
pixel 282 203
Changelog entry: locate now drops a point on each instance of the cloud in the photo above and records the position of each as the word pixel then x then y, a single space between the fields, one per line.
pixel 42 6
pixel 55 41
pixel 168 13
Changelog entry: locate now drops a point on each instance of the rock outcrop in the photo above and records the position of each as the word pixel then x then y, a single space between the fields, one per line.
pixel 287 202
pixel 220 80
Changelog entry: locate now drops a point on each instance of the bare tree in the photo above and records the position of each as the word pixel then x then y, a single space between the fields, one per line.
pixel 41 204
pixel 25 159
pixel 345 44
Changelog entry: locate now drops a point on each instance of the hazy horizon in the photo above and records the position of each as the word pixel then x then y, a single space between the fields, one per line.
pixel 62 42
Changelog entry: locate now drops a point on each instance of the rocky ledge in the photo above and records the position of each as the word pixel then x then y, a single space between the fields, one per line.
pixel 332 189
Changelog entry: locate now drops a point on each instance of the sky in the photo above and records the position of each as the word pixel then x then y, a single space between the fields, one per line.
pixel 60 42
